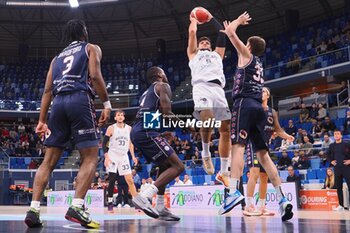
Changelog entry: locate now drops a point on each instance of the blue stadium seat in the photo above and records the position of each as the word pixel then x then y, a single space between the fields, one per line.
pixel 311 174
pixel 321 173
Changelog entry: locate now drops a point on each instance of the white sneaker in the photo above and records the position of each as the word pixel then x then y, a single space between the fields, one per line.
pixel 143 204
pixel 339 208
pixel 252 211
pixel 126 206
pixel 208 165
pixel 119 205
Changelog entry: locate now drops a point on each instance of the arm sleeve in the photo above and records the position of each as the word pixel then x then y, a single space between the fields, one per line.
pixel 104 143
pixel 221 40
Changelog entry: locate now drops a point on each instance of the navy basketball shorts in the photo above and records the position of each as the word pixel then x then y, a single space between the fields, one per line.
pixel 154 147
pixel 73 118
pixel 252 158
pixel 247 123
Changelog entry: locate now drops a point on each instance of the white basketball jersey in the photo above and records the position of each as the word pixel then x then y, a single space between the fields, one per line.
pixel 205 66
pixel 119 141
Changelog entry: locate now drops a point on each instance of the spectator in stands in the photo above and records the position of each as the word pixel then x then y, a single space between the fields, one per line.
pixel 292 177
pixel 187 180
pixel 339 157
pixel 21 128
pixel 178 182
pixel 285 145
pixel 328 126
pixel 97 175
pixel 322 48
pixel 322 112
pixel 329 182
pixel 315 94
pixel 275 142
pixel 305 133
pixel 295 159
pixel 294 63
pixel 304 114
pixel 313 111
pixel 136 178
pixel 150 180
pixel 193 162
pixel 299 136
pixel 347 123
pixel 284 161
pixel 291 130
pixel 326 141
pixel 303 160
pixel 331 45
pixel 144 184
pixel 307 145
pixel 315 129
pixel 344 95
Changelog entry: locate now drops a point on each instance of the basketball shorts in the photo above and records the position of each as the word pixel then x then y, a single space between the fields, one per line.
pixel 247 123
pixel 73 118
pixel 153 146
pixel 210 96
pixel 120 163
pixel 252 159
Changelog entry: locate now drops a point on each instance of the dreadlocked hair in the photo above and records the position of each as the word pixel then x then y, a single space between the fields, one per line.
pixel 74 30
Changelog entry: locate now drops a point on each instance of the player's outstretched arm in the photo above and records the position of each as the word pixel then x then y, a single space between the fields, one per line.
pixel 279 130
pixel 221 39
pixel 230 31
pixel 192 38
pixel 95 55
pixel 45 103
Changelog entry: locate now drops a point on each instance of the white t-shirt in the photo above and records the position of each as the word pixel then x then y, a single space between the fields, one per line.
pixel 180 182
pixel 188 182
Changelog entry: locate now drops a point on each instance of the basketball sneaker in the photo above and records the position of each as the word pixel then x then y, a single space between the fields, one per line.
pixel 110 207
pixel 126 206
pixel 252 211
pixel 339 208
pixel 82 216
pixel 223 179
pixel 33 218
pixel 266 212
pixel 166 215
pixel 230 202
pixel 208 165
pixel 285 209
pixel 143 204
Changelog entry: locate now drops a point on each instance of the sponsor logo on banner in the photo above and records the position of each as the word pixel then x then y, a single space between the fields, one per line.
pixel 318 199
pixel 212 196
pixel 93 198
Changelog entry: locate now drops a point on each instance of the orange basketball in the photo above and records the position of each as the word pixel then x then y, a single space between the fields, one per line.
pixel 201 14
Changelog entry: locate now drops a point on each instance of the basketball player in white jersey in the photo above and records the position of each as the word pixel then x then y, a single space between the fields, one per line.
pixel 116 156
pixel 208 81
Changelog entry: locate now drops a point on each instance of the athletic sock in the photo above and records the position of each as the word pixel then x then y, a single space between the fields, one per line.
pixel 261 203
pixel 110 199
pixel 279 192
pixel 77 202
pixel 160 201
pixel 149 192
pixel 35 205
pixel 234 184
pixel 205 151
pixel 249 201
pixel 224 164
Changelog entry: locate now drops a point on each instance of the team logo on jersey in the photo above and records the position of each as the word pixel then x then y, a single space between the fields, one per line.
pixel 243 134
pixel 151 120
pixel 270 119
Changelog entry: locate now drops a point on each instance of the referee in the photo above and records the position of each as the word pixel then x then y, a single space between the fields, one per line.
pixel 339 157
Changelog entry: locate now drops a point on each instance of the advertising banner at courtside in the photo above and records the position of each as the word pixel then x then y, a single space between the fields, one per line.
pixel 93 198
pixel 325 199
pixel 211 196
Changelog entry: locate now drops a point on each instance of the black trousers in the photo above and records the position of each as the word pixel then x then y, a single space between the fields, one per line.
pixel 122 186
pixel 340 174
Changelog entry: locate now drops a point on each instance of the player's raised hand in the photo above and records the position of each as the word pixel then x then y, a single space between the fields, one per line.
pixel 41 129
pixel 104 118
pixel 290 138
pixel 243 19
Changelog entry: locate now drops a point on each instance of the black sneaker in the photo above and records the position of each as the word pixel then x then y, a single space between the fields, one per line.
pixel 82 216
pixel 33 218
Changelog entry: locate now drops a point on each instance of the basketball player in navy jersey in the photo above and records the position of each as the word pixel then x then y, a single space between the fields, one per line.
pixel 247 123
pixel 271 125
pixel 208 81
pixel 73 77
pixel 154 147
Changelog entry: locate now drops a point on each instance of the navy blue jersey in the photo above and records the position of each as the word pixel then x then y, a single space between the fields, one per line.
pixel 249 80
pixel 70 70
pixel 149 101
pixel 269 128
